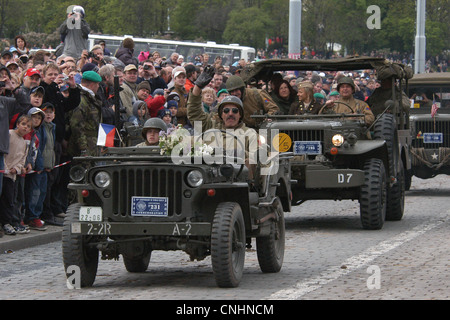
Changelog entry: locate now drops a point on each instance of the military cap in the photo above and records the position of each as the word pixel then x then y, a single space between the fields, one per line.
pixel 305 84
pixel 91 76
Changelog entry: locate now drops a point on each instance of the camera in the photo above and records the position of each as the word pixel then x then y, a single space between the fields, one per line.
pixel 146 67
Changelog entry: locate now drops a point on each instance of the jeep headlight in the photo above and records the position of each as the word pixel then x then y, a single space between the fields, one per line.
pixel 77 173
pixel 102 179
pixel 194 178
pixel 337 140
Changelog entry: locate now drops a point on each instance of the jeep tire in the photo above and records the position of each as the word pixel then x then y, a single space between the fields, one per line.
pixel 137 264
pixel 270 249
pixel 373 195
pixel 396 197
pixel 76 251
pixel 228 244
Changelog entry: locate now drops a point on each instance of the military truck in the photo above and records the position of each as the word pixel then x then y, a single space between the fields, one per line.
pixel 132 201
pixel 336 156
pixel 430 126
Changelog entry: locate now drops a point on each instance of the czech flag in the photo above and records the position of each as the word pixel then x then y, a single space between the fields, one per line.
pixel 106 133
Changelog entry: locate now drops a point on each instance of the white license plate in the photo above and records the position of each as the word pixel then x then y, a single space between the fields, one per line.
pixel 91 214
pixel 149 206
pixel 307 147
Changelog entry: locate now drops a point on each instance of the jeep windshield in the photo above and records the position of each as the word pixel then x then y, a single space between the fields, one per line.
pixel 427 88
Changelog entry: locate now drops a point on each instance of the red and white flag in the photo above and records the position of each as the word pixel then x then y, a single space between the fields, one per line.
pixel 434 109
pixel 106 133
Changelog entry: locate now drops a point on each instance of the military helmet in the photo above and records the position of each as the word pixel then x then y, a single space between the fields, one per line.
pixel 153 123
pixel 346 80
pixel 235 82
pixel 231 100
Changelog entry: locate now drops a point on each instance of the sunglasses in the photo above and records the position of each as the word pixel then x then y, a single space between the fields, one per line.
pixel 234 110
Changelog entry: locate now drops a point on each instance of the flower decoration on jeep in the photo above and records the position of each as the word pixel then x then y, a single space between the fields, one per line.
pixel 179 140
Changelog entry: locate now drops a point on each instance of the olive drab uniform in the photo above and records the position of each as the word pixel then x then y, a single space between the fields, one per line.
pixel 195 112
pixel 84 125
pixel 358 107
pixel 257 101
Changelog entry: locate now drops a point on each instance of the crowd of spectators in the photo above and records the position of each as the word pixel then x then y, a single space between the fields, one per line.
pixel 52 105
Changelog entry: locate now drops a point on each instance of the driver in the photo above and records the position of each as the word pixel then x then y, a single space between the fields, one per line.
pixel 230 115
pixel 346 89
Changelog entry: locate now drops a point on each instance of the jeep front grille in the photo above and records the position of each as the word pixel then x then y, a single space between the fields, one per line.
pixel 304 135
pixel 432 127
pixel 146 182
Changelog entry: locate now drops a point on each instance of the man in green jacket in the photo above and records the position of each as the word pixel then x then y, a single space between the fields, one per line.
pixel 86 118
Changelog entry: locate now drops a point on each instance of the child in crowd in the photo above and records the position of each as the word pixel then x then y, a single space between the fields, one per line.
pixel 36 181
pixel 166 116
pixel 140 113
pixel 172 105
pixel 49 161
pixel 155 102
pixel 14 165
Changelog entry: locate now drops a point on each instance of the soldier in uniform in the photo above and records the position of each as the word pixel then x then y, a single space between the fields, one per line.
pixel 306 102
pixel 85 120
pixel 231 115
pixel 346 89
pixel 150 132
pixel 255 101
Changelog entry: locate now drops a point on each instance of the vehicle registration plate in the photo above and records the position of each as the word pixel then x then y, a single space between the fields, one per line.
pixel 307 147
pixel 149 206
pixel 90 214
pixel 433 138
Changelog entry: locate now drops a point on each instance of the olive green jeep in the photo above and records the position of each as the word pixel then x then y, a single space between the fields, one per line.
pixel 133 201
pixel 430 126
pixel 336 156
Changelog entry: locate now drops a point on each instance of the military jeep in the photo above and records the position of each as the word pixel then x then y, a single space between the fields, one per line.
pixel 133 201
pixel 335 155
pixel 430 132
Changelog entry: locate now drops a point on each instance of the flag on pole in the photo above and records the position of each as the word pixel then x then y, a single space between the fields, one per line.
pixel 106 133
pixel 434 108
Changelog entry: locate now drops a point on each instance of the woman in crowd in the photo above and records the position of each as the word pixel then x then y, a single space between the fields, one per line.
pixel 283 95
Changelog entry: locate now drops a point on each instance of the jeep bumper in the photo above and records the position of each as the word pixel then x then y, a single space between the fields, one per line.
pixel 141 228
pixel 318 177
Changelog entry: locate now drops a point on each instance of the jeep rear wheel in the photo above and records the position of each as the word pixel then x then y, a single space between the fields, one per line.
pixel 139 264
pixel 228 244
pixel 373 195
pixel 396 197
pixel 270 249
pixel 76 250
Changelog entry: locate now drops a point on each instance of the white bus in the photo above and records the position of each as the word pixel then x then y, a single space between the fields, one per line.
pixel 189 50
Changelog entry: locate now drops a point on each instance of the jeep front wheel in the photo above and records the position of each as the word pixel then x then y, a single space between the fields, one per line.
pixel 76 250
pixel 228 244
pixel 373 195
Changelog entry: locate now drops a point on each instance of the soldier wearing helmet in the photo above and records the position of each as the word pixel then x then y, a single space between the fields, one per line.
pixel 74 32
pixel 150 132
pixel 255 101
pixel 231 115
pixel 346 89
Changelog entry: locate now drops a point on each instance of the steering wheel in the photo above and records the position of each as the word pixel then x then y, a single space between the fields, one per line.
pixel 344 103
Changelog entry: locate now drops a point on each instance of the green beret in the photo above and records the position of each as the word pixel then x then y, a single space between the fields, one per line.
pixel 222 91
pixel 91 76
pixel 334 93
pixel 318 96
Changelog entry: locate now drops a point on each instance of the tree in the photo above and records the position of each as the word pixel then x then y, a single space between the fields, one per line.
pixel 248 26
